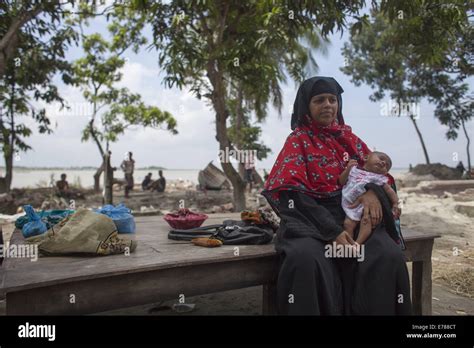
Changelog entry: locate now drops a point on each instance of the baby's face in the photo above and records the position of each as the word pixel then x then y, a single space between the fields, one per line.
pixel 378 162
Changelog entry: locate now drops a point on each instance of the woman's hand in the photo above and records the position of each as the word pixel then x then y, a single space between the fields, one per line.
pixel 372 208
pixel 345 238
pixel 397 211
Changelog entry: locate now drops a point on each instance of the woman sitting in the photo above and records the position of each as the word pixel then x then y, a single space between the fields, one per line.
pixel 304 191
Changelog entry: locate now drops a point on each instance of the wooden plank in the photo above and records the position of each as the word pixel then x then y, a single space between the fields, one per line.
pixel 269 299
pixel 101 294
pixel 410 235
pixel 418 250
pixel 422 283
pixel 154 252
pixel 269 291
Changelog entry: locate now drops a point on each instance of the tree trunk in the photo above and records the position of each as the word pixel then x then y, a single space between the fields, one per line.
pixel 427 158
pixel 467 148
pixel 108 180
pixel 218 102
pixel 97 177
pixel 99 146
pixel 9 149
pixel 238 129
pixel 8 155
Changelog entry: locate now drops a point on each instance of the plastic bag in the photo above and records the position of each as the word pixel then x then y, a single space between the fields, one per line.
pixel 121 216
pixel 35 226
pixel 49 217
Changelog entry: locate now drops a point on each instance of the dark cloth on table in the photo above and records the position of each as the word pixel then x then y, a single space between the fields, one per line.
pixel 335 286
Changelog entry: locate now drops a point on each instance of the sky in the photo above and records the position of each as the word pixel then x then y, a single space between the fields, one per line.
pixel 195 145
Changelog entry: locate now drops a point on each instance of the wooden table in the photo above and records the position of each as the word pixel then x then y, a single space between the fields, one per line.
pixel 419 248
pixel 161 269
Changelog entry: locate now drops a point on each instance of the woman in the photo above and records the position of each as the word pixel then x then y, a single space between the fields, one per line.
pixel 303 190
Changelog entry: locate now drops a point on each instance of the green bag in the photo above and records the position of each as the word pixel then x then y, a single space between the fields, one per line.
pixel 84 232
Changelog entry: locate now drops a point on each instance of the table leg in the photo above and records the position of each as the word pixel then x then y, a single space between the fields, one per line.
pixel 421 287
pixel 269 299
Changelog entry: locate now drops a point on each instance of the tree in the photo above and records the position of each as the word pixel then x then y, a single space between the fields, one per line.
pixel 34 37
pixel 41 20
pixel 113 110
pixel 242 134
pixel 403 50
pixel 212 47
pixel 28 76
pixel 438 33
pixel 443 84
pixel 371 58
pixel 455 113
pixel 454 105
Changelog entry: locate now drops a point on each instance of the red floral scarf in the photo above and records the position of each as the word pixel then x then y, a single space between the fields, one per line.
pixel 312 159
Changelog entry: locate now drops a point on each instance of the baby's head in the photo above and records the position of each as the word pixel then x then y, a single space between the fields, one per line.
pixel 378 162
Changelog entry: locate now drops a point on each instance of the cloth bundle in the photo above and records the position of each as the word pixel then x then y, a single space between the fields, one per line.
pixel 84 232
pixel 121 216
pixel 32 223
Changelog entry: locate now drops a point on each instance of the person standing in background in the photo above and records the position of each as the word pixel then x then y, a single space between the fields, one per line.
pixel 249 165
pixel 460 167
pixel 128 166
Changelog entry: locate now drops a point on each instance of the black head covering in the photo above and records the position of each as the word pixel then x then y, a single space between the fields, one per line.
pixel 309 88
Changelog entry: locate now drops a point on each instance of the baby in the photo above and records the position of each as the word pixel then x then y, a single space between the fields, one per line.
pixel 354 179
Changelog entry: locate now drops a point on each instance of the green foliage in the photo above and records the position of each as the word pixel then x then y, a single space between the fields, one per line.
pixel 245 135
pixel 29 76
pixel 438 32
pixel 416 65
pixel 265 37
pixel 97 73
pixel 219 49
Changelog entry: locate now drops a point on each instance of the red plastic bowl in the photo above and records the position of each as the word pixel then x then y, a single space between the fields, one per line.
pixel 185 219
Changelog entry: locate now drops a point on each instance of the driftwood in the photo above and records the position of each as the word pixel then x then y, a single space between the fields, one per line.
pixel 212 178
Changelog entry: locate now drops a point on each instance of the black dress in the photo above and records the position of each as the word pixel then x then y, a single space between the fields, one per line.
pixel 309 283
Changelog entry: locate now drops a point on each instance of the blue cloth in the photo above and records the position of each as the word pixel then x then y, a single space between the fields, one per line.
pixel 121 216
pixel 35 226
pixel 49 217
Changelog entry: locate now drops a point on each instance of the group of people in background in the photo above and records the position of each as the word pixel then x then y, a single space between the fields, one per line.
pixel 158 185
pixel 148 184
pixel 128 167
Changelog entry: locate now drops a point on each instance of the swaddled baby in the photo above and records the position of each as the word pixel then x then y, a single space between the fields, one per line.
pixel 354 180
